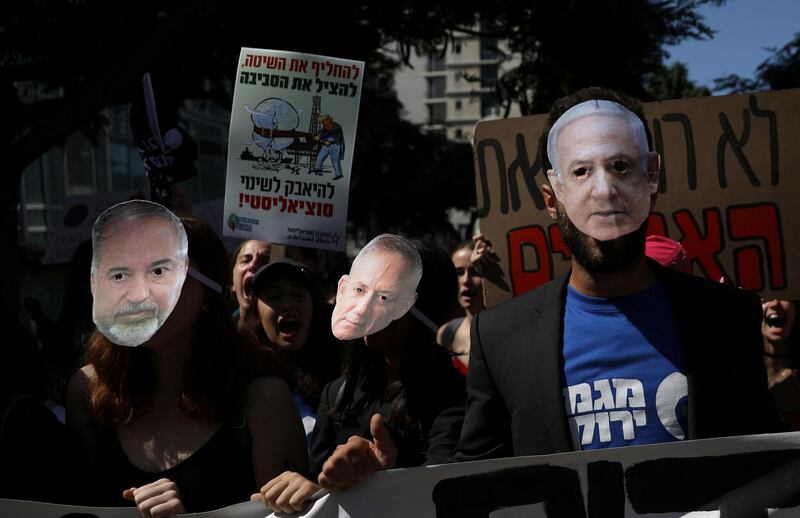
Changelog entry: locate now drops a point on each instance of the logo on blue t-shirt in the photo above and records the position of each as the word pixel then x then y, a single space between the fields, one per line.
pixel 619 406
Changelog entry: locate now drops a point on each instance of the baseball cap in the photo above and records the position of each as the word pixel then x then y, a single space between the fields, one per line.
pixel 282 268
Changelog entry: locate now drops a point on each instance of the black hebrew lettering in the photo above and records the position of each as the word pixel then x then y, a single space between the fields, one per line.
pixel 739 485
pixel 728 137
pixel 606 490
pixel 528 170
pixel 486 206
pixel 298 65
pixel 691 157
pixel 475 496
pixel 773 138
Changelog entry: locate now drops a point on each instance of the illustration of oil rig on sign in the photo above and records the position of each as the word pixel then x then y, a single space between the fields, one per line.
pixel 280 145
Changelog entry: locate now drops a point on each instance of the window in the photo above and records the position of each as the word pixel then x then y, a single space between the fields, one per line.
pixel 437 113
pixel 435 63
pixel 488 76
pixel 489 105
pixel 127 170
pixel 489 48
pixel 80 165
pixel 436 87
pixel 458 105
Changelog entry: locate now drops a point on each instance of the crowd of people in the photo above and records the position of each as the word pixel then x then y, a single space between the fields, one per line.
pixel 248 382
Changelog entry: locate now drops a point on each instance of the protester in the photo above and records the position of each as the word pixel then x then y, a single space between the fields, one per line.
pixel 247 259
pixel 290 325
pixel 397 387
pixel 179 424
pixel 781 356
pixel 454 335
pixel 619 350
pixel 37 457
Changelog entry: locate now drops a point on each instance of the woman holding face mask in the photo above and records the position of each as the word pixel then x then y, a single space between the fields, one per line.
pixel 180 423
pixel 399 403
pixel 289 326
pixel 781 357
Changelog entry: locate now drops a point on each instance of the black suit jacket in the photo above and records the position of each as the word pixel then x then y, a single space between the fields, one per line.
pixel 514 386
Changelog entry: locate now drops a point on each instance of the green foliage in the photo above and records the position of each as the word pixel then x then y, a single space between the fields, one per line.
pixel 779 71
pixel 566 46
pixel 673 83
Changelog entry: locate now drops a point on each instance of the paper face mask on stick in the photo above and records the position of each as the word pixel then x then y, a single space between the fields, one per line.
pixel 139 263
pixel 380 288
pixel 603 174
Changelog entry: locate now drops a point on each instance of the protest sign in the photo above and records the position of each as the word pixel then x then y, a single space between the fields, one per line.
pixel 726 477
pixel 290 148
pixel 727 192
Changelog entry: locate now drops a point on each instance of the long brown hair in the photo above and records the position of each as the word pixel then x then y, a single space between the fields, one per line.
pixel 216 370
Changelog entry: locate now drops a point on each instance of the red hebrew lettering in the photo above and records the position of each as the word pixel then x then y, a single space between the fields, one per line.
pixel 748 268
pixel 255 202
pixel 702 249
pixel 557 242
pixel 758 222
pixel 241 197
pixel 657 225
pixel 523 277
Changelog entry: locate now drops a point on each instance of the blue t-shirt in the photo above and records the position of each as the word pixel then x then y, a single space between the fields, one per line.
pixel 623 370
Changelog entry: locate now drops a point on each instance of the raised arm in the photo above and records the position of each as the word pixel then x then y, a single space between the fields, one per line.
pixel 278 438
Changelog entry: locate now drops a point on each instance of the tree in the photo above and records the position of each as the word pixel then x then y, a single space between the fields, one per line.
pixel 673 83
pixel 63 62
pixel 565 46
pixel 781 70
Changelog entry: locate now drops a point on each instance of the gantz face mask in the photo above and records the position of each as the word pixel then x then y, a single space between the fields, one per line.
pixel 380 288
pixel 139 265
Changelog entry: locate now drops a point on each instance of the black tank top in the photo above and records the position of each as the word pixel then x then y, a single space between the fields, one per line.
pixel 218 474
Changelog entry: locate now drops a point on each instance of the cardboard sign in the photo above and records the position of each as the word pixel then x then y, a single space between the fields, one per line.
pixel 290 148
pixel 727 192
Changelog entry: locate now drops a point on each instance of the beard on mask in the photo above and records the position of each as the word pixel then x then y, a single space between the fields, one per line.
pixel 601 257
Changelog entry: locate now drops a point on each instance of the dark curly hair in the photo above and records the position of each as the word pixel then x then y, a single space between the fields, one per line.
pixel 583 95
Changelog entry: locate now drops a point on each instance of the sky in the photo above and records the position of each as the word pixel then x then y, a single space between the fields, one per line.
pixel 745 29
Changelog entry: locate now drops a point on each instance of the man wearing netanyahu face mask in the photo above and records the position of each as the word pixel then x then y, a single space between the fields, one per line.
pixel 603 173
pixel 139 264
pixel 619 350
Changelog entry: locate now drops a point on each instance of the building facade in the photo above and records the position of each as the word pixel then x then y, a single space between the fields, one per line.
pixel 451 91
